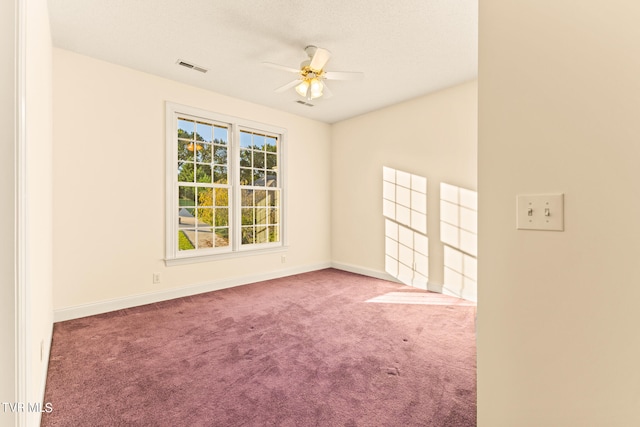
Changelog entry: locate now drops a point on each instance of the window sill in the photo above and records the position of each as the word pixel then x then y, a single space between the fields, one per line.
pixel 169 262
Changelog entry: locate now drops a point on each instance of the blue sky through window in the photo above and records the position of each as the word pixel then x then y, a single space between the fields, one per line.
pixel 205 131
pixel 185 125
pixel 221 134
pixel 245 139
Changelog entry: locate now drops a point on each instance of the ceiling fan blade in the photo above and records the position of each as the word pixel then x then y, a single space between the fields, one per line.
pixel 343 75
pixel 320 58
pixel 288 85
pixel 326 92
pixel 280 67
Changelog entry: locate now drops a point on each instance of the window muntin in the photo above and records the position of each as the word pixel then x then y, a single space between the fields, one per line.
pixel 225 190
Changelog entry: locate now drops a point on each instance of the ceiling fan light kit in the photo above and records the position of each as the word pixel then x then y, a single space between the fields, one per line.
pixel 311 73
pixel 310 88
pixel 192 147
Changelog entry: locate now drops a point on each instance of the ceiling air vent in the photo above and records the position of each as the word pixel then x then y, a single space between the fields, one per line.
pixel 304 103
pixel 191 66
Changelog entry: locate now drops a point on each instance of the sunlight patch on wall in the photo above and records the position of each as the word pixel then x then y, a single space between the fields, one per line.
pixel 459 233
pixel 406 255
pixel 460 273
pixel 405 198
pixel 459 218
pixel 406 245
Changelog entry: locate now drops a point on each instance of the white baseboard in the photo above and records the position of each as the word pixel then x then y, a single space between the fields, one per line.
pixel 364 271
pixel 100 307
pixel 75 312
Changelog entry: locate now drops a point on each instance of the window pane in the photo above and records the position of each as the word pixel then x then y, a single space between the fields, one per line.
pixel 261 198
pixel 193 147
pixel 248 216
pixel 188 216
pixel 205 217
pixel 272 161
pixel 245 158
pixel 219 155
pixel 222 197
pixel 220 175
pixel 258 159
pixel 185 218
pixel 271 144
pixel 261 216
pixel 246 177
pixel 186 196
pixel 274 234
pixel 222 217
pixel 184 153
pixel 185 128
pixel 248 235
pixel 205 196
pixel 185 172
pixel 185 240
pixel 205 238
pixel 203 173
pixel 204 153
pixel 259 178
pixel 220 135
pixel 246 197
pixel 274 217
pixel 272 179
pixel 204 132
pixel 245 140
pixel 258 142
pixel 222 237
pixel 274 198
pixel 261 235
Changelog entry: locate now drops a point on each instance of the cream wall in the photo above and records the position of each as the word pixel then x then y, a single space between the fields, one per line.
pixel 109 160
pixel 434 136
pixel 559 104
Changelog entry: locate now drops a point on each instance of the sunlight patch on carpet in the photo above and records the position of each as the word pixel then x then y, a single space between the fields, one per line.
pixel 419 298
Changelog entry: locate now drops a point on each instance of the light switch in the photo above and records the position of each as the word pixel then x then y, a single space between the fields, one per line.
pixel 540 212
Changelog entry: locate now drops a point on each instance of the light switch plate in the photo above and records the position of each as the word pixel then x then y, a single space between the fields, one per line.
pixel 540 212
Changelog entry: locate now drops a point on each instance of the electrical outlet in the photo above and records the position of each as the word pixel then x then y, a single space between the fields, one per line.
pixel 156 278
pixel 283 259
pixel 41 350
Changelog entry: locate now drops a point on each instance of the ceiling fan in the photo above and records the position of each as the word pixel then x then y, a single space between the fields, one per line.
pixel 310 83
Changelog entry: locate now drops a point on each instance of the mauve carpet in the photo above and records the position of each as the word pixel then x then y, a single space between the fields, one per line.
pixel 306 350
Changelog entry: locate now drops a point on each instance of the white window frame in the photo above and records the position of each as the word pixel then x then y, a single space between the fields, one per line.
pixel 173 256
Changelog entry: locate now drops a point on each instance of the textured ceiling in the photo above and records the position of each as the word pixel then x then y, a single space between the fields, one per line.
pixel 406 48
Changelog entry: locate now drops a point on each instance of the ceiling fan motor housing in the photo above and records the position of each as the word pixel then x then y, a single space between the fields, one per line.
pixel 311 50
